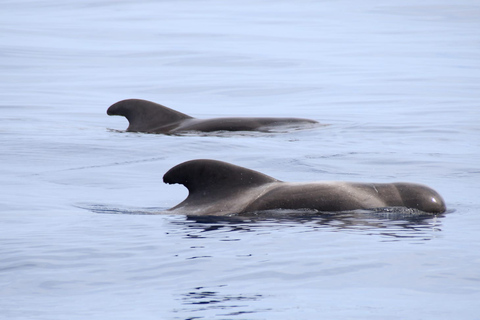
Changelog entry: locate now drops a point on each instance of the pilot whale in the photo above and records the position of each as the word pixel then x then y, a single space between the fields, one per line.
pixel 150 117
pixel 220 188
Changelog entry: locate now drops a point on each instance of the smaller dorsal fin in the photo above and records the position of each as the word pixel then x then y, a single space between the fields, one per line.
pixel 214 178
pixel 146 116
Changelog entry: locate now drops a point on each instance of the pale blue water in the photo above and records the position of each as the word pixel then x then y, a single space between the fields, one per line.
pixel 398 82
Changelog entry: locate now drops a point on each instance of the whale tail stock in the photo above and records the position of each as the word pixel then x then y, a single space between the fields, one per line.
pixel 146 116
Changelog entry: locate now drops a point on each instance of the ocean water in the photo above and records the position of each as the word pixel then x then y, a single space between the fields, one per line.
pixel 397 82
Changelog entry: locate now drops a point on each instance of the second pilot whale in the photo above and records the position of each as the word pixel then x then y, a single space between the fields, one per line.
pixel 150 117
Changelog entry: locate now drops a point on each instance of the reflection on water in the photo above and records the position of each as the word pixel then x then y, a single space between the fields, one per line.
pixel 202 301
pixel 391 228
pixel 393 224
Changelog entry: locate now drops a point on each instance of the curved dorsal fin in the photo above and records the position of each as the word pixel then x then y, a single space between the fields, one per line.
pixel 146 116
pixel 215 179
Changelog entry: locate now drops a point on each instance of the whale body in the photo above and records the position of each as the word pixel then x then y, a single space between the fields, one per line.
pixel 150 117
pixel 221 188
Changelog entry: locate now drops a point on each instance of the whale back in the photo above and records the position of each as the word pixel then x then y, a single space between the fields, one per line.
pixel 147 116
pixel 209 181
pixel 343 196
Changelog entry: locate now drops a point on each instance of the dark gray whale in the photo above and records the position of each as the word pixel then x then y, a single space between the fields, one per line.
pixel 150 117
pixel 220 188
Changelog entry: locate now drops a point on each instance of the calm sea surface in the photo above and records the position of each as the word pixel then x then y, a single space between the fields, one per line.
pixel 398 82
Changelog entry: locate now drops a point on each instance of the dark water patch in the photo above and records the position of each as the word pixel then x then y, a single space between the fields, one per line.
pixel 202 301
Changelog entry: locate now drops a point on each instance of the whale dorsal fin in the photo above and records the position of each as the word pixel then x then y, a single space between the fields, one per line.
pixel 214 179
pixel 146 116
